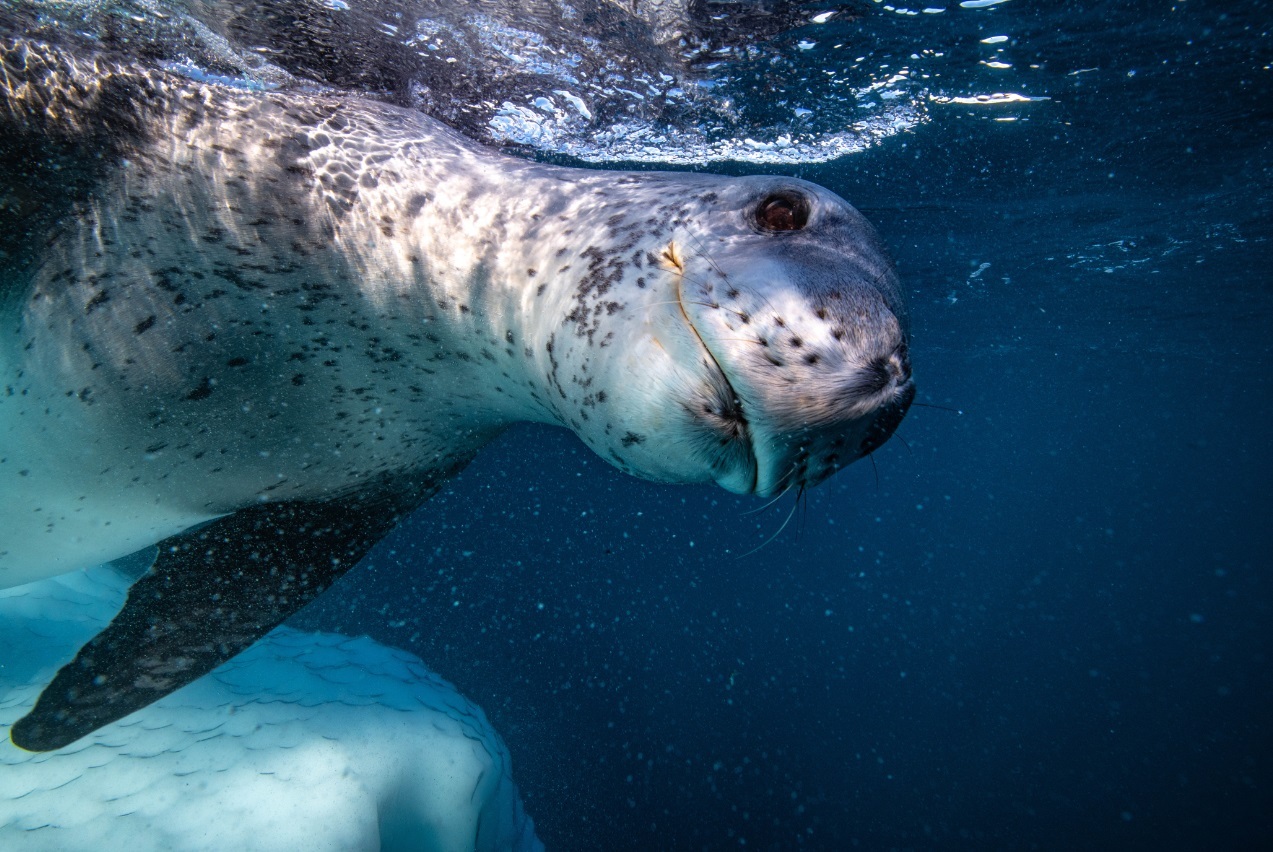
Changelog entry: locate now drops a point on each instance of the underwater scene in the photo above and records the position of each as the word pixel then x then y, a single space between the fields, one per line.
pixel 937 521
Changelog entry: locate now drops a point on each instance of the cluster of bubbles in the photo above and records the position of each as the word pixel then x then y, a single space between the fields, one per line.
pixel 669 81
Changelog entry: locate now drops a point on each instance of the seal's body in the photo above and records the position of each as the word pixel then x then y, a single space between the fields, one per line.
pixel 259 327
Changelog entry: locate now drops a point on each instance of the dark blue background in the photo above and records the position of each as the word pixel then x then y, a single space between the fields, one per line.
pixel 1041 623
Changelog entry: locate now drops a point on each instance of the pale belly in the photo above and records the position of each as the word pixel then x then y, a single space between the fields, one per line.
pixel 82 484
pixel 63 508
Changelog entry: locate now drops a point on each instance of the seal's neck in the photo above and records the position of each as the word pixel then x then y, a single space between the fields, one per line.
pixel 462 256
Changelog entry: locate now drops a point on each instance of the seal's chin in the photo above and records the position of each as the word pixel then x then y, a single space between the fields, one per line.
pixel 776 437
pixel 738 481
pixel 725 435
pixel 781 461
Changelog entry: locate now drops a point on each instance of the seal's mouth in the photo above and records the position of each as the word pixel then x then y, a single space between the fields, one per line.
pixel 798 457
pixel 735 461
pixel 768 437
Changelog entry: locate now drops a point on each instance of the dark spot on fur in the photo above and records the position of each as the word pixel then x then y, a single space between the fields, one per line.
pixel 202 392
pixel 415 203
pixel 144 325
pixel 99 299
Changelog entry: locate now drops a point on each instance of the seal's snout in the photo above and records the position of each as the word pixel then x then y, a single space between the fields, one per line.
pixel 898 365
pixel 880 374
pixel 852 421
pixel 806 322
pixel 816 386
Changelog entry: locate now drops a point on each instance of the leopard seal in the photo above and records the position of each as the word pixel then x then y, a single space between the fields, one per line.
pixel 257 328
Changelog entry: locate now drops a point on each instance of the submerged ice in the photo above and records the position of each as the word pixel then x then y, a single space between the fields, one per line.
pixel 304 741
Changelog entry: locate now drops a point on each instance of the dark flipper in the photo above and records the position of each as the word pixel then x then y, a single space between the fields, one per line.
pixel 211 593
pixel 134 566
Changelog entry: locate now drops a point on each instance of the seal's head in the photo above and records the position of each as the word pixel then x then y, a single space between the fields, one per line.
pixel 760 340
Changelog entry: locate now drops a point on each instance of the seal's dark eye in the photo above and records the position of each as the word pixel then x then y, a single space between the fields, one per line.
pixel 783 212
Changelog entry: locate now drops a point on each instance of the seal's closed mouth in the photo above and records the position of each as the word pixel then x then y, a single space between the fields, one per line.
pixel 722 415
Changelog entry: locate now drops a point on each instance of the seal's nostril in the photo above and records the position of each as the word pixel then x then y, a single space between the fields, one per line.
pixel 899 365
pixel 900 370
pixel 878 375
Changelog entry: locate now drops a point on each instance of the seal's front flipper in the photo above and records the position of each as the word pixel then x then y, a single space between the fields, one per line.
pixel 210 593
pixel 136 565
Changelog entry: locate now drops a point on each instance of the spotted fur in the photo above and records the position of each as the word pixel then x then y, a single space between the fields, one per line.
pixel 221 298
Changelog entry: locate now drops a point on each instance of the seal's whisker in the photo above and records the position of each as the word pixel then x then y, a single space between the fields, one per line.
pixel 735 312
pixel 745 316
pixel 749 288
pixel 784 485
pixel 702 250
pixel 700 280
pixel 725 276
pixel 802 500
pixel 742 315
pixel 775 499
pixel 792 471
pixel 776 534
pixel 763 299
pixel 958 411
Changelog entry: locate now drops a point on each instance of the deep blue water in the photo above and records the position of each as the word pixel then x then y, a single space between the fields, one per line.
pixel 1043 622
pixel 1039 617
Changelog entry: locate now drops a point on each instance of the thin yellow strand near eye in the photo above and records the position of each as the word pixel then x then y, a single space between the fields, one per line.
pixel 672 255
